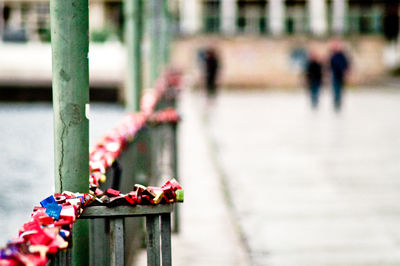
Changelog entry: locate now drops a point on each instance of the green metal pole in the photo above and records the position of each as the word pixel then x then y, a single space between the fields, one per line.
pixel 165 32
pixel 133 38
pixel 154 10
pixel 70 45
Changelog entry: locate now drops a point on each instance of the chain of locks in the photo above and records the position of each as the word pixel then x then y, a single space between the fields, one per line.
pixel 49 229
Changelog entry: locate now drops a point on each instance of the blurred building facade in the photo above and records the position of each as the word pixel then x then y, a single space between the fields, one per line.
pixel 277 17
pixel 29 20
pixel 261 43
pixel 264 43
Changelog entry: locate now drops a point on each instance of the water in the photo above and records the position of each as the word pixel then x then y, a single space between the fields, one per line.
pixel 27 157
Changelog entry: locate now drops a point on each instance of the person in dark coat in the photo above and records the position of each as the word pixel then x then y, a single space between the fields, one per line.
pixel 211 69
pixel 339 65
pixel 313 73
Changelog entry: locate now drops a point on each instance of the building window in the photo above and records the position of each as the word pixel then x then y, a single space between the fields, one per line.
pixel 251 17
pixel 296 20
pixel 365 17
pixel 211 15
pixel 43 21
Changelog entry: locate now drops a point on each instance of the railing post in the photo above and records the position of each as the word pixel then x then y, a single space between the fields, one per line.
pixel 176 172
pixel 166 239
pixel 154 10
pixel 117 241
pixel 153 239
pixel 165 32
pixel 133 10
pixel 70 45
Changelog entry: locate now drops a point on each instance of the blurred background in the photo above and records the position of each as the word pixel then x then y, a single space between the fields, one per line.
pixel 317 187
pixel 263 43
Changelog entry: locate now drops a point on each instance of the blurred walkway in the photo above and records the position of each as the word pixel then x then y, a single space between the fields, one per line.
pixel 313 188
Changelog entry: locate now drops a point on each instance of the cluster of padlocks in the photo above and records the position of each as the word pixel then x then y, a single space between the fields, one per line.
pixel 168 115
pixel 49 229
pixel 109 147
pixel 170 192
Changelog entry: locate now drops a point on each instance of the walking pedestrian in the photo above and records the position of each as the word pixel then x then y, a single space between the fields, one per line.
pixel 313 73
pixel 211 69
pixel 339 65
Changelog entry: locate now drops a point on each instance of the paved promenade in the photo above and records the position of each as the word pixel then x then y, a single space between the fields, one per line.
pixel 313 188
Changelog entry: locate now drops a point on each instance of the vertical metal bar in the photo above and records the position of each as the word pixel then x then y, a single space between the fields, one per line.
pixel 154 10
pixel 106 241
pixel 65 257
pixel 176 173
pixel 93 247
pixel 153 240
pixel 98 242
pixel 68 255
pixel 166 239
pixel 70 45
pixel 117 241
pixel 165 32
pixel 133 38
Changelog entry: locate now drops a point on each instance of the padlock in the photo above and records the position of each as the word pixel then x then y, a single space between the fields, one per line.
pixel 139 189
pixel 135 196
pixel 8 252
pixel 159 196
pixel 37 237
pixel 129 199
pixel 112 192
pixel 65 234
pixel 47 201
pixel 179 195
pixel 105 199
pixel 41 249
pixel 158 192
pixel 97 202
pixel 87 199
pixel 62 223
pixel 30 259
pixel 74 202
pixel 57 244
pixel 60 199
pixel 53 210
pixel 169 193
pixel 68 213
pixel 42 217
pixel 117 201
pixel 9 262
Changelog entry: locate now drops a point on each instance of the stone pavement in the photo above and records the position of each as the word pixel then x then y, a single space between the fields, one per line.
pixel 313 188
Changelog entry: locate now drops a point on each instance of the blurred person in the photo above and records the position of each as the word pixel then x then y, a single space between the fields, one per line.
pixel 339 65
pixel 210 70
pixel 313 74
